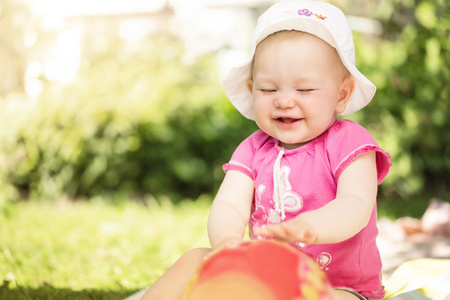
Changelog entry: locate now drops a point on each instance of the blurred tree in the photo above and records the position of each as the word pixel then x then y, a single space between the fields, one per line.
pixel 15 23
pixel 140 119
pixel 410 65
pixel 135 122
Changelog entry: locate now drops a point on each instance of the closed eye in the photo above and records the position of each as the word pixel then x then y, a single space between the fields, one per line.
pixel 305 90
pixel 267 91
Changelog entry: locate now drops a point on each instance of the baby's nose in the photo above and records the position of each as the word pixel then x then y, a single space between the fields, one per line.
pixel 284 101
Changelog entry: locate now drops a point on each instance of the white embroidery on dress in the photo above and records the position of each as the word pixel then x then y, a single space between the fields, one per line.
pixel 274 217
pixel 323 260
pixel 301 245
pixel 292 201
pixel 259 215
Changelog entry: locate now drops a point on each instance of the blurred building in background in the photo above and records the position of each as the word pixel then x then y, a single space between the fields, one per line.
pixel 51 39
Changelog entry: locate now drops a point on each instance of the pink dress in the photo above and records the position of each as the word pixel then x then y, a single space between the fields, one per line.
pixel 290 182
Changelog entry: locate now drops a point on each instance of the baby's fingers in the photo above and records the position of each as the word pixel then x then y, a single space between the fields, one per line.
pixel 307 236
pixel 261 231
pixel 265 230
pixel 275 231
pixel 287 232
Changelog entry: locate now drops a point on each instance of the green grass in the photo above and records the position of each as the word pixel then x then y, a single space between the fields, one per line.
pixel 96 250
pixel 93 250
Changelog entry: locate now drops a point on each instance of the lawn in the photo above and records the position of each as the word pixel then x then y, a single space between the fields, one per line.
pixel 98 250
pixel 94 250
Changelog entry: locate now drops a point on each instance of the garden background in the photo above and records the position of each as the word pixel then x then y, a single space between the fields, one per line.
pixel 114 127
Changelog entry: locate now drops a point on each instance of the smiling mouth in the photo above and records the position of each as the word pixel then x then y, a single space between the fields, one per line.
pixel 287 120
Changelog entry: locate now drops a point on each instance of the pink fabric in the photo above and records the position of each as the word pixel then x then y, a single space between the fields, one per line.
pixel 308 180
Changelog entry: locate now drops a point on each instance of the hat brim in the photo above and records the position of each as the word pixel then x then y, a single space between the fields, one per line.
pixel 236 83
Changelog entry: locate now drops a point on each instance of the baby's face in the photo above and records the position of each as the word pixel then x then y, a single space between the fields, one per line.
pixel 299 85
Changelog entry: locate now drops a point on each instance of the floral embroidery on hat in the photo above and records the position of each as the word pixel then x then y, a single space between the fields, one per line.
pixel 308 13
pixel 305 12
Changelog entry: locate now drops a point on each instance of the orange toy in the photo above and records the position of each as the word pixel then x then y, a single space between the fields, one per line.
pixel 259 270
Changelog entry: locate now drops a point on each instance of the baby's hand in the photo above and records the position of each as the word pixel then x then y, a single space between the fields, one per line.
pixel 288 232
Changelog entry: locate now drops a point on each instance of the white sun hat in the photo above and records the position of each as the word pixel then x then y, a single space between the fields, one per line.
pixel 321 19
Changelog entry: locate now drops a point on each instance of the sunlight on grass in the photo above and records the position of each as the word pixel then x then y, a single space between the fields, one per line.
pixel 96 245
pixel 97 250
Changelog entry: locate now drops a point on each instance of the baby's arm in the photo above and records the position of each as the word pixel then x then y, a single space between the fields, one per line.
pixel 341 218
pixel 230 211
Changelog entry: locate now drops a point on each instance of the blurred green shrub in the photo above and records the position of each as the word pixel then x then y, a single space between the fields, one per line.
pixel 144 121
pixel 410 65
pixel 141 122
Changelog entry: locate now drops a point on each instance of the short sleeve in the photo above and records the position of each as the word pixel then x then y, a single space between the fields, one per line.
pixel 243 156
pixel 347 140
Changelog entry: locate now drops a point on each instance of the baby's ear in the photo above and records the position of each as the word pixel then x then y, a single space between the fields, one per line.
pixel 250 84
pixel 345 92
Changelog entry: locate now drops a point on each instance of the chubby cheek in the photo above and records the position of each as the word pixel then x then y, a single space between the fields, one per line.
pixel 260 122
pixel 258 109
pixel 261 112
pixel 262 105
pixel 263 124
